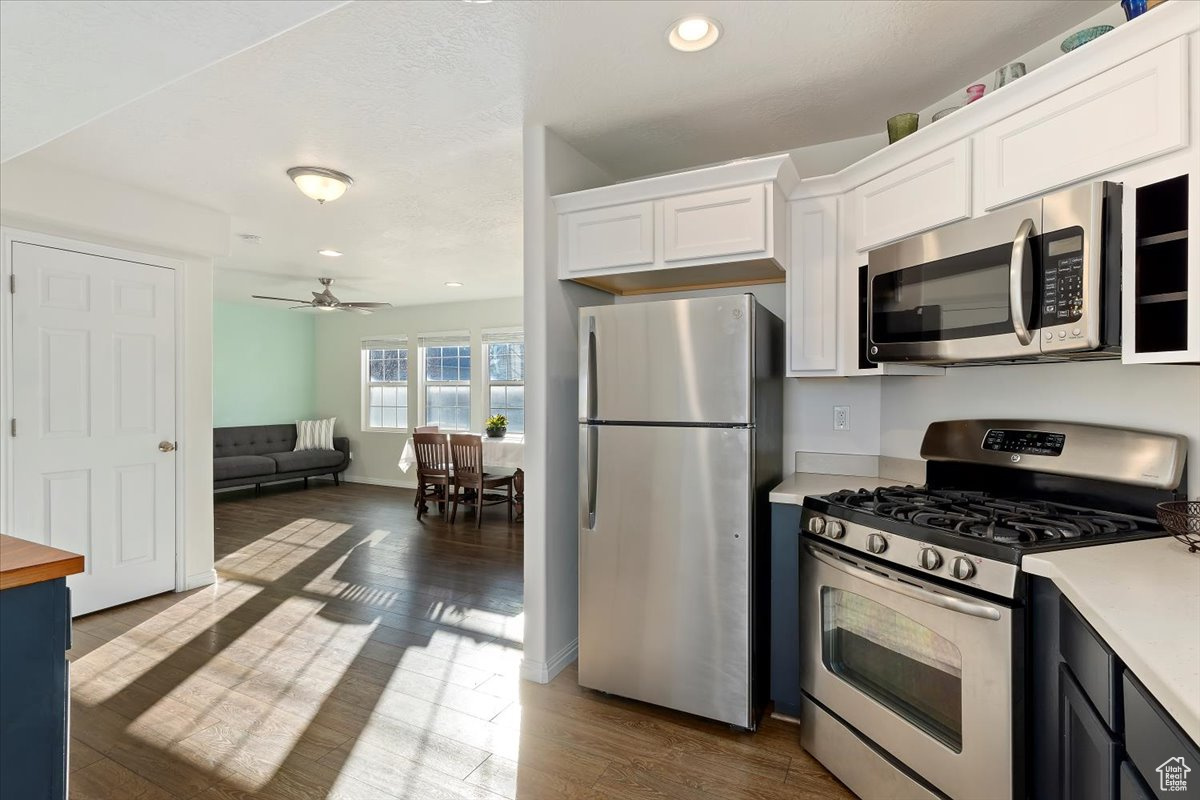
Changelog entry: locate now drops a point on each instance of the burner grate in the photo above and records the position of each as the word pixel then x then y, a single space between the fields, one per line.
pixel 981 515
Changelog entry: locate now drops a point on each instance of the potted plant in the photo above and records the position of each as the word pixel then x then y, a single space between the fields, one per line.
pixel 497 426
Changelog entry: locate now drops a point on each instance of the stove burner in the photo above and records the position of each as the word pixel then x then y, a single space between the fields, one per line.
pixel 984 516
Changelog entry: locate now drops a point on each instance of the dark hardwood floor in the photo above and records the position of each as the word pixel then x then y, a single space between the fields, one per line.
pixel 348 651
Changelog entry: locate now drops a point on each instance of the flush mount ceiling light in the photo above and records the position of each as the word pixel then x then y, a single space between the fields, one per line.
pixel 330 253
pixel 453 284
pixel 319 183
pixel 692 34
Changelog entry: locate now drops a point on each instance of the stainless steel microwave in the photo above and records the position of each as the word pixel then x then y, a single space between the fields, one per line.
pixel 1039 280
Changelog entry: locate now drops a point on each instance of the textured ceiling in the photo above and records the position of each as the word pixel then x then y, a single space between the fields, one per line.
pixel 66 62
pixel 423 103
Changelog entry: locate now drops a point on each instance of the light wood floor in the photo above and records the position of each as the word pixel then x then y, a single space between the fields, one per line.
pixel 348 651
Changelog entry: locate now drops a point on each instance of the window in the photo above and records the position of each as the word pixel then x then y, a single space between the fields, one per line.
pixel 385 384
pixel 506 376
pixel 447 372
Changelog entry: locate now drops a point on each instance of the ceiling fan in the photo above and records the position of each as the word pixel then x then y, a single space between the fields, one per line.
pixel 325 301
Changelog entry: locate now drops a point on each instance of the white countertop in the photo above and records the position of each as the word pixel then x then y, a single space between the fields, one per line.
pixel 1143 598
pixel 798 484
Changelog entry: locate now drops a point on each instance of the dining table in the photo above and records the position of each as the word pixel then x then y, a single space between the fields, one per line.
pixel 506 452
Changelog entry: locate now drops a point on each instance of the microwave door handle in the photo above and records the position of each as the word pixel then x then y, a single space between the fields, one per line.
pixel 915 592
pixel 1016 281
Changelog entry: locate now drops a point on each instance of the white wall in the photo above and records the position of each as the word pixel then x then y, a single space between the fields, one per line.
pixel 1157 398
pixel 339 374
pixel 551 450
pixel 37 197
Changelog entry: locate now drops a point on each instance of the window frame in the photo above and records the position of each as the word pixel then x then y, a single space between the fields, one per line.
pixel 499 336
pixel 461 339
pixel 365 383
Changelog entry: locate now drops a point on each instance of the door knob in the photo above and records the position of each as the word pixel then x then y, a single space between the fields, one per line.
pixel 166 447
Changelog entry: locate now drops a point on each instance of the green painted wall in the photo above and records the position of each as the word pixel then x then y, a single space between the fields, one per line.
pixel 263 365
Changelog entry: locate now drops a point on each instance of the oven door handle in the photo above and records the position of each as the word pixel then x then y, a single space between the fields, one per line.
pixel 1016 280
pixel 915 592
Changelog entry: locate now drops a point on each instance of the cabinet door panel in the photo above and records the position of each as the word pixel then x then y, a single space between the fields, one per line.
pixel 812 285
pixel 616 236
pixel 923 194
pixel 1130 113
pixel 1089 755
pixel 1157 746
pixel 723 222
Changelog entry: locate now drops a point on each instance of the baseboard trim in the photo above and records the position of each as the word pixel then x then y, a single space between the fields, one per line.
pixel 395 484
pixel 206 578
pixel 544 672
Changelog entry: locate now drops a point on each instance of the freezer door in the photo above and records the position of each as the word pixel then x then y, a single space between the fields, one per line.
pixel 665 554
pixel 686 361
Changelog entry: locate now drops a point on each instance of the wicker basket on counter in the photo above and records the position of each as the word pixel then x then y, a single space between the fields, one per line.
pixel 1181 518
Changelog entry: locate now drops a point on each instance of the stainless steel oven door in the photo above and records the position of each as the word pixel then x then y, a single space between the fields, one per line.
pixel 923 673
pixel 965 292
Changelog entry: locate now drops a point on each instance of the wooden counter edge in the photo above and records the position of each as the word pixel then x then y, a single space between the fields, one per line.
pixel 23 562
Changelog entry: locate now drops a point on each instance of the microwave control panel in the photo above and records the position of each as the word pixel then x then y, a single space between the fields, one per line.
pixel 1062 276
pixel 1037 443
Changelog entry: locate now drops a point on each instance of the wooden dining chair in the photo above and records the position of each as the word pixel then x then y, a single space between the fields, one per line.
pixel 435 477
pixel 425 429
pixel 466 456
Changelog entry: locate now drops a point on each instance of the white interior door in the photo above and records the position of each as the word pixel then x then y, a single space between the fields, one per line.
pixel 93 357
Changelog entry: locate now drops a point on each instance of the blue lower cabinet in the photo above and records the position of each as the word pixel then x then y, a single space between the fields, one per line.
pixel 1089 752
pixel 1095 732
pixel 35 625
pixel 785 608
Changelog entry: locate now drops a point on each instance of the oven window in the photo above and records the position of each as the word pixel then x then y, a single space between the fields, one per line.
pixel 955 298
pixel 895 660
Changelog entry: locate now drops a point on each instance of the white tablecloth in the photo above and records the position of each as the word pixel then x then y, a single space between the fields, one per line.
pixel 506 452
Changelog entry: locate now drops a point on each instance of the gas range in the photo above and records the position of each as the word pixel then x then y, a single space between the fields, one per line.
pixel 1002 488
pixel 913 607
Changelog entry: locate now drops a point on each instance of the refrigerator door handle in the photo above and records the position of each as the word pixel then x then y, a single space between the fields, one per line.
pixel 591 446
pixel 587 371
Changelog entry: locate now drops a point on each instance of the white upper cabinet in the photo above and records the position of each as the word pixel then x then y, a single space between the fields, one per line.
pixel 617 236
pixel 812 286
pixel 1132 112
pixel 715 226
pixel 930 191
pixel 725 222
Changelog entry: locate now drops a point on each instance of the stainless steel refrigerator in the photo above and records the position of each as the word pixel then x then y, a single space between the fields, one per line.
pixel 680 411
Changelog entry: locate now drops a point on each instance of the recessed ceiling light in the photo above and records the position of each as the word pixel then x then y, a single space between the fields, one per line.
pixel 453 284
pixel 691 34
pixel 319 183
pixel 330 253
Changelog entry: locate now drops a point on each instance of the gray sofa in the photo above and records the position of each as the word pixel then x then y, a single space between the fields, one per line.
pixel 252 455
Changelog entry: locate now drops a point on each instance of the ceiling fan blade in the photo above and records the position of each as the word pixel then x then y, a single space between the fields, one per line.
pixel 284 299
pixel 352 309
pixel 302 305
pixel 366 305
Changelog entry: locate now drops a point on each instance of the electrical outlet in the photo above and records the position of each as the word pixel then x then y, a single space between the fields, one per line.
pixel 841 418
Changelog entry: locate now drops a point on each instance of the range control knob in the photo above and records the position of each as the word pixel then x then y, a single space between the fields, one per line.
pixel 876 543
pixel 929 558
pixel 816 525
pixel 962 568
pixel 835 529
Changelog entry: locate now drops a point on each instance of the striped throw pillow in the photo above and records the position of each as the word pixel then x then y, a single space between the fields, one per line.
pixel 314 434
